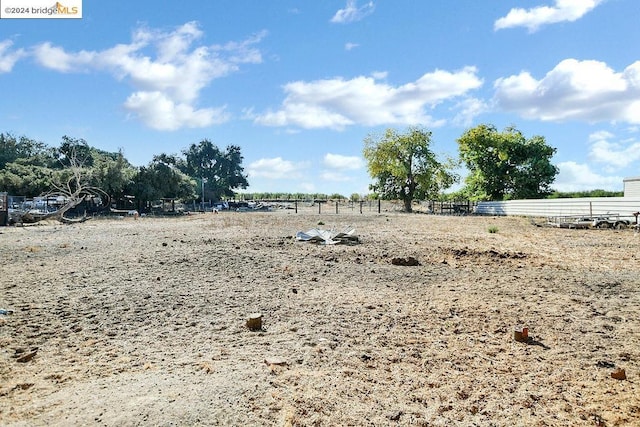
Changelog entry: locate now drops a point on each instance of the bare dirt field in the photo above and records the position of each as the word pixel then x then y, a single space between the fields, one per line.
pixel 142 322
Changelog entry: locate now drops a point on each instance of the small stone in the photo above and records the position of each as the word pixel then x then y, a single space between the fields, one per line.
pixel 277 361
pixel 619 374
pixel 409 261
pixel 26 357
pixel 605 364
pixel 395 416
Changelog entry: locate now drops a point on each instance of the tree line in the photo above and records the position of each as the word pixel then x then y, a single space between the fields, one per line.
pixel 31 168
pixel 501 165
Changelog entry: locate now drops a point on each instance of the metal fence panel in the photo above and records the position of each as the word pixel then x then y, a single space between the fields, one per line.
pixel 587 206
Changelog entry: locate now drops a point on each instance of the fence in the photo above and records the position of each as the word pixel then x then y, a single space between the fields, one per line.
pixel 624 207
pixel 346 207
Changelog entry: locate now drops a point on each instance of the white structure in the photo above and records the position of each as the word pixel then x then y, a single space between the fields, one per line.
pixel 632 187
pixel 587 206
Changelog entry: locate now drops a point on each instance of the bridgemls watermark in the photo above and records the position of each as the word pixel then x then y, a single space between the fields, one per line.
pixel 40 9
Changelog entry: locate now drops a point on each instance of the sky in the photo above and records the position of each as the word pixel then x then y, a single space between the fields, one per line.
pixel 298 85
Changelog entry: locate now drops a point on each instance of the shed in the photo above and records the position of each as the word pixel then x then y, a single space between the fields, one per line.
pixel 632 186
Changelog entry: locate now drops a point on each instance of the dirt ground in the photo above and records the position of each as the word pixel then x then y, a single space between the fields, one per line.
pixel 142 322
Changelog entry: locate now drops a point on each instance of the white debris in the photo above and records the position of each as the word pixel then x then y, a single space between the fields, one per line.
pixel 328 237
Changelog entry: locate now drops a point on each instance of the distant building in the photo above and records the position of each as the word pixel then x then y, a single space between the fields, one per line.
pixel 632 186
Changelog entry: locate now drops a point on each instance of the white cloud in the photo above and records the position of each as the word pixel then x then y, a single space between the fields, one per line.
pixel 337 103
pixel 469 109
pixel 167 67
pixel 350 46
pixel 160 112
pixel 8 58
pixel 380 75
pixel 337 161
pixel 574 90
pixel 579 177
pixel 534 18
pixel 57 59
pixel 276 168
pixel 615 155
pixel 352 12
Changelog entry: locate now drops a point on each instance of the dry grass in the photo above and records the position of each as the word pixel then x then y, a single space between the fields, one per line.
pixel 143 322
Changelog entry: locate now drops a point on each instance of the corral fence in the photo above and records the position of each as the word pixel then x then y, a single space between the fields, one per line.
pixel 346 206
pixel 591 207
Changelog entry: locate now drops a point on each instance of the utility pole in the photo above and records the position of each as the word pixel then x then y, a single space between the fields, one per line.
pixel 203 181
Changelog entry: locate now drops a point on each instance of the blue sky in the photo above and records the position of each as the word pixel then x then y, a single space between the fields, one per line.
pixel 299 85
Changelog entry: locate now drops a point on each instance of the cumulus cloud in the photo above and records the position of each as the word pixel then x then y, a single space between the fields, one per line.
pixel 160 112
pixel 57 59
pixel 534 18
pixel 613 154
pixel 340 162
pixel 580 177
pixel 276 168
pixel 169 68
pixel 574 90
pixel 352 12
pixel 8 57
pixel 337 103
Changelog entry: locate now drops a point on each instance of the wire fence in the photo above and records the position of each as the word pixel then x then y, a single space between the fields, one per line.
pixel 354 207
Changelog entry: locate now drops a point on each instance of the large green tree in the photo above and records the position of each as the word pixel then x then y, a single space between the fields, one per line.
pixel 113 173
pixel 160 179
pixel 404 167
pixel 506 165
pixel 21 149
pixel 25 166
pixel 222 170
pixel 110 172
pixel 27 180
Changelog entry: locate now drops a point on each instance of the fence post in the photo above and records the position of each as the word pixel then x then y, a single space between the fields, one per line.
pixel 361 206
pixel 336 207
pixel 296 206
pixel 379 205
pixel 319 207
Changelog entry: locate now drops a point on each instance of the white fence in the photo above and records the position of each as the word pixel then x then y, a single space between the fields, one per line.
pixel 588 206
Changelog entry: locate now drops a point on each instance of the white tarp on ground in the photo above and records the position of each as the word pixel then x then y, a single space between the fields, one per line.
pixel 328 237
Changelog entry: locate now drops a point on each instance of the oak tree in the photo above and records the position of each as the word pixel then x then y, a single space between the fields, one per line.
pixel 404 166
pixel 506 165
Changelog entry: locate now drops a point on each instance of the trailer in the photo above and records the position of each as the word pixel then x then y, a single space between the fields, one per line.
pixel 613 221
